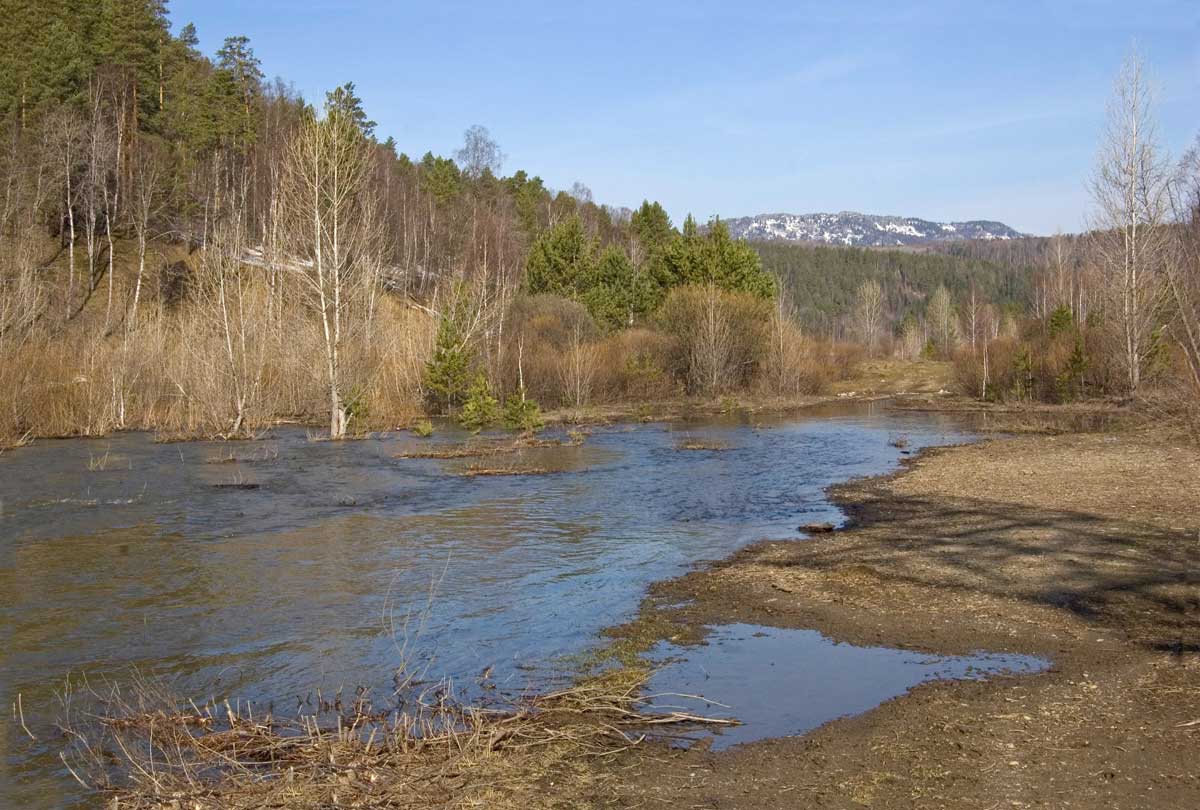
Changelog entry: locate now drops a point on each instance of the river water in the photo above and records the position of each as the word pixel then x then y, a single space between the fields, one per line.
pixel 313 565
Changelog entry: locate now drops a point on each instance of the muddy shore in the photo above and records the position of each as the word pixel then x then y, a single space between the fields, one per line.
pixel 1082 548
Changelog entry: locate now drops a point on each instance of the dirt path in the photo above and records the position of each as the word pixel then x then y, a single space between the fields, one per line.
pixel 1081 548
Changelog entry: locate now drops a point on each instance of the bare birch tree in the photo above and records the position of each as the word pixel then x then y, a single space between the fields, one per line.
pixel 97 156
pixel 146 202
pixel 785 333
pixel 912 339
pixel 710 360
pixel 232 309
pixel 869 313
pixel 943 323
pixel 577 366
pixel 64 131
pixel 1065 279
pixel 1129 239
pixel 330 228
pixel 973 320
pixel 27 187
pixel 479 152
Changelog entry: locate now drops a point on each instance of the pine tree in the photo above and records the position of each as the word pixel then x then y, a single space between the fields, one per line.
pixel 652 226
pixel 448 371
pixel 1070 380
pixel 441 177
pixel 713 257
pixel 616 292
pixel 1061 320
pixel 527 193
pixel 242 72
pixel 345 101
pixel 131 34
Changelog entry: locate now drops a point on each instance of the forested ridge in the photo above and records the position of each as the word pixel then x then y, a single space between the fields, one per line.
pixel 824 281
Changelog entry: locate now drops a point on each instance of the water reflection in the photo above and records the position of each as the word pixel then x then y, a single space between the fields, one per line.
pixel 780 683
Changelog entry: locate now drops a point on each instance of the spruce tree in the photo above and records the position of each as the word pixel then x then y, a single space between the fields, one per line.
pixel 448 372
pixel 481 408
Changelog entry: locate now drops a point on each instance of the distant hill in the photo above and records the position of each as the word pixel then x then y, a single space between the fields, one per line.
pixel 863 230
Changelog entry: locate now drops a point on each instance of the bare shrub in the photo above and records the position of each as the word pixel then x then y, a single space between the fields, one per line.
pixel 560 350
pixel 721 337
pixel 634 366
pixel 577 367
pixel 1042 367
pixel 793 365
pixel 842 359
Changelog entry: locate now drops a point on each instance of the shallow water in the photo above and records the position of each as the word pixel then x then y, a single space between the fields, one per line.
pixel 781 683
pixel 121 552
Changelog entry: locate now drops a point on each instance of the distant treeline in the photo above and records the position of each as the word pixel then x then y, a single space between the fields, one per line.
pixel 1029 253
pixel 822 282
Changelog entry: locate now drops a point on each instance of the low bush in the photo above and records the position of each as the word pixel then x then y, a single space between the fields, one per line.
pixel 521 413
pixel 794 364
pixel 481 408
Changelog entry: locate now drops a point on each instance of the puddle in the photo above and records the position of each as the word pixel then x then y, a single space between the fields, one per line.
pixel 783 683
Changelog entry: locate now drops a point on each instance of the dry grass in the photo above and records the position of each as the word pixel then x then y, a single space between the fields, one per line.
pixel 170 369
pixel 425 749
pixel 898 377
pixel 98 463
pixel 267 454
pixel 473 470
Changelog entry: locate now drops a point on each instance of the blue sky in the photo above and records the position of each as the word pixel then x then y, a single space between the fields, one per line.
pixel 947 111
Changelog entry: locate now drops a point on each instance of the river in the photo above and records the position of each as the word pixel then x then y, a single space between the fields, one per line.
pixel 305 565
